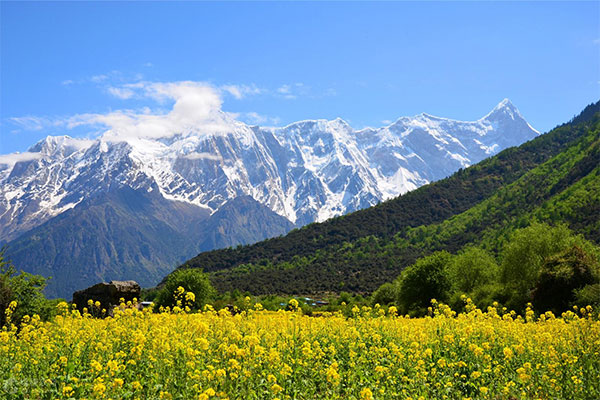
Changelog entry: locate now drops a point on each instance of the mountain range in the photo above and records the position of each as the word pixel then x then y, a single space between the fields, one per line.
pixel 83 210
pixel 554 179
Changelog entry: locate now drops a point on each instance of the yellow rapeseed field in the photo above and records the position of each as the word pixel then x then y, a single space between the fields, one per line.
pixel 285 355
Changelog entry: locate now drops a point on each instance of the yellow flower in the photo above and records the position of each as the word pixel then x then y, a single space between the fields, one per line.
pixel 99 389
pixel 112 365
pixel 68 391
pixel 164 395
pixel 191 297
pixel 224 355
pixel 366 394
pixel 276 388
pixel 286 370
pixel 96 366
pixel 332 373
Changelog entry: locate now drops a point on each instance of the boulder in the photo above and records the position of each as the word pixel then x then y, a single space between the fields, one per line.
pixel 108 294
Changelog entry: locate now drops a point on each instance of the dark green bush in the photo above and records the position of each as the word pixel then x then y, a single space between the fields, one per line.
pixel 386 294
pixel 192 280
pixel 425 280
pixel 561 276
pixel 24 288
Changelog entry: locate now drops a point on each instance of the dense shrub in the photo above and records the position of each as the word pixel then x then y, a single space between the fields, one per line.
pixel 26 290
pixel 386 294
pixel 191 280
pixel 425 280
pixel 530 252
pixel 547 265
pixel 561 275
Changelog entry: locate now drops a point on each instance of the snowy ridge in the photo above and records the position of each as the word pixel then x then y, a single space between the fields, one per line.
pixel 307 171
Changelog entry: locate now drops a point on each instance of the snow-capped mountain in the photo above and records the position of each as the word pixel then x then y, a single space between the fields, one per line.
pixel 307 171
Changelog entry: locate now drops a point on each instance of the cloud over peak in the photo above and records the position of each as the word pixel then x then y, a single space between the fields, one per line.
pixel 196 109
pixel 202 156
pixel 191 107
pixel 11 159
pixel 171 108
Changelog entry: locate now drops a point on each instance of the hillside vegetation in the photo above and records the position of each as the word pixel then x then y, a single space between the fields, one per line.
pixel 553 179
pixel 133 234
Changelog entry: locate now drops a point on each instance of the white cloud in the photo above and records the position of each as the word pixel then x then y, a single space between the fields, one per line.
pixel 234 91
pixel 254 118
pixel 386 122
pixel 241 91
pixel 292 91
pixel 12 159
pixel 99 78
pixel 284 89
pixel 103 80
pixel 179 108
pixel 121 92
pixel 191 107
pixel 202 156
pixel 196 108
pixel 31 123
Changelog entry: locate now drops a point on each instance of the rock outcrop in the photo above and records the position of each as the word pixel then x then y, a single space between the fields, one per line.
pixel 108 294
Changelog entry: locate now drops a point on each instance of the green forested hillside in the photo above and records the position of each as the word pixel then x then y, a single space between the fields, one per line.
pixel 553 178
pixel 126 233
pixel 78 247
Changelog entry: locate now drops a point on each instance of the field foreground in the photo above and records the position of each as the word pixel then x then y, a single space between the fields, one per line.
pixel 285 355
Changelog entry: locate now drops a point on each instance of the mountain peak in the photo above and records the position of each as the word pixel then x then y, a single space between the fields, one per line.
pixel 425 115
pixel 340 123
pixel 51 144
pixel 506 112
pixel 48 142
pixel 506 104
pixel 504 109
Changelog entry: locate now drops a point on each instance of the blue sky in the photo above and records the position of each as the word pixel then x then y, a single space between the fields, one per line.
pixel 274 63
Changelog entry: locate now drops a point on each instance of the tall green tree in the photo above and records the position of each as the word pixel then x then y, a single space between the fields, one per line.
pixel 525 254
pixel 473 272
pixel 561 276
pixel 24 288
pixel 425 280
pixel 471 268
